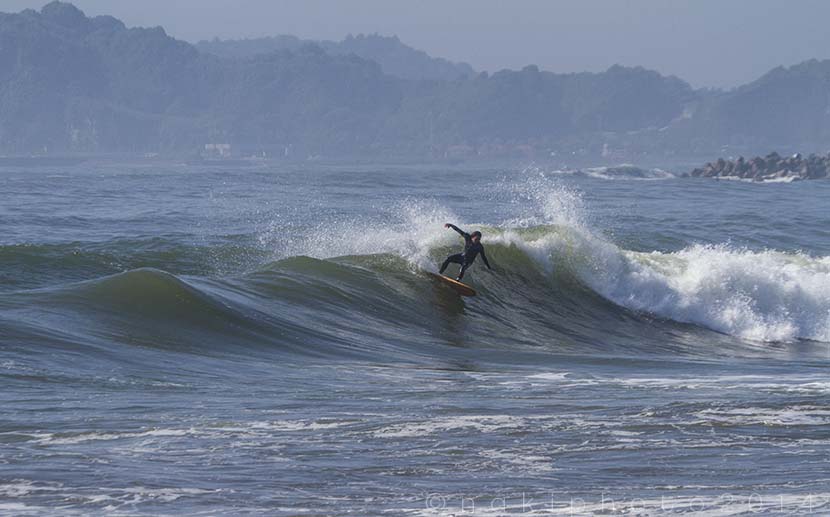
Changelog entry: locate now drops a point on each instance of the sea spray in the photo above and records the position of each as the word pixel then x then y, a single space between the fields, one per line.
pixel 756 295
pixel 411 229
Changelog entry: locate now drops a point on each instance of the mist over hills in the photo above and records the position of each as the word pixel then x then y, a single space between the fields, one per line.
pixel 74 84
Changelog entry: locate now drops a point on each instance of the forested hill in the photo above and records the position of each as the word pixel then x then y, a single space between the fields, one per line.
pixel 73 83
pixel 787 109
pixel 70 83
pixel 394 57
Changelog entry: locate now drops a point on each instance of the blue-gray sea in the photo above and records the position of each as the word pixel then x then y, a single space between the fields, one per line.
pixel 201 340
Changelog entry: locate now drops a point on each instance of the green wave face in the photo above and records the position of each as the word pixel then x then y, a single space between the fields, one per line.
pixel 554 288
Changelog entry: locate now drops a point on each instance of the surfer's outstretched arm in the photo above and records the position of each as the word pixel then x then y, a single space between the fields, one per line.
pixel 484 258
pixel 457 229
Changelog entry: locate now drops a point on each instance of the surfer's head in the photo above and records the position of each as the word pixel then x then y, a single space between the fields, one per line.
pixel 475 236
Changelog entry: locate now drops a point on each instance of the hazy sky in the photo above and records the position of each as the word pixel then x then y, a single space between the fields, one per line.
pixel 719 43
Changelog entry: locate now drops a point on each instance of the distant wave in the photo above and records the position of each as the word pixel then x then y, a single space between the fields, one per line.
pixel 619 172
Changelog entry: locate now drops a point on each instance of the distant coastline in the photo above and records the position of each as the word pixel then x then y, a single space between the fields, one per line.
pixel 104 88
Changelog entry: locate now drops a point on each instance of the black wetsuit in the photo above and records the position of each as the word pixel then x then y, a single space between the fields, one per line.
pixel 466 259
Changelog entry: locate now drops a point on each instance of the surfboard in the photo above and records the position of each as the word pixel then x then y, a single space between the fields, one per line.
pixel 462 289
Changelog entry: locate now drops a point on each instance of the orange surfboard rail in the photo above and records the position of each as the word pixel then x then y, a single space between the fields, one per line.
pixel 460 288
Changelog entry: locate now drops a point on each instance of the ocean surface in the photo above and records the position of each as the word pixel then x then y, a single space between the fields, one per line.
pixel 205 341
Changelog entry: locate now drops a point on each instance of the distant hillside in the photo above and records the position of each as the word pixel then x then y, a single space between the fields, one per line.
pixel 72 83
pixel 542 109
pixel 394 57
pixel 69 83
pixel 787 108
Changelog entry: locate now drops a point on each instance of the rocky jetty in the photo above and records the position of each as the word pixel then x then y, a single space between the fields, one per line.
pixel 768 168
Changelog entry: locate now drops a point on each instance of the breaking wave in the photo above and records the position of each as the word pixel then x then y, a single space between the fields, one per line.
pixel 558 286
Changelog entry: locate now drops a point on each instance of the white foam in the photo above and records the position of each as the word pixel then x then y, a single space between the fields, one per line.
pixel 550 376
pixel 297 425
pixel 479 423
pixel 791 415
pixel 758 295
pixel 762 295
pixel 23 487
pixel 769 384
pixel 519 460
pixel 52 439
pixel 81 496
pixel 783 179
pixel 664 502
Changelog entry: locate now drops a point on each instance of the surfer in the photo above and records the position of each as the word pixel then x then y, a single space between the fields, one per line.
pixel 472 248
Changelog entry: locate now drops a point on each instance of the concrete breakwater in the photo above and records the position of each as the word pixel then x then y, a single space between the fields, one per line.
pixel 770 167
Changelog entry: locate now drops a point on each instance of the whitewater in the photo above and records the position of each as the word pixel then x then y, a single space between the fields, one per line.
pixel 267 340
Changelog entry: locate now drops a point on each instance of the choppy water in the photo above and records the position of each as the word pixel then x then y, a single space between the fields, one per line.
pixel 266 341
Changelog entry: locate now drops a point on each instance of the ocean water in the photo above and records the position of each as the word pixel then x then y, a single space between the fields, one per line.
pixel 264 341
